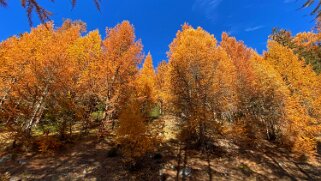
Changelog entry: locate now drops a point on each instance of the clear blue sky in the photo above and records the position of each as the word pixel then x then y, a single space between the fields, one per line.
pixel 157 21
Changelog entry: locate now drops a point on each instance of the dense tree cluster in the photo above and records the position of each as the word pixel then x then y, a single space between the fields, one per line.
pixel 54 79
pixel 307 45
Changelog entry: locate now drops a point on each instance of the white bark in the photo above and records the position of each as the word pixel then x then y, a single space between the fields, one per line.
pixel 37 111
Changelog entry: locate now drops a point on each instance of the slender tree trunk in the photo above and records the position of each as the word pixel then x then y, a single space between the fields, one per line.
pixel 37 111
pixel 107 113
pixel 178 161
pixel 201 133
pixel 107 116
pixel 39 115
pixel 161 108
pixel 70 128
pixel 106 108
pixel 268 133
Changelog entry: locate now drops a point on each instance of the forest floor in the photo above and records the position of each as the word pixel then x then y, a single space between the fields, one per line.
pixel 88 159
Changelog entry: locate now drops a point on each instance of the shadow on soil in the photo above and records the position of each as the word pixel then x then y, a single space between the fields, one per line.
pixel 223 160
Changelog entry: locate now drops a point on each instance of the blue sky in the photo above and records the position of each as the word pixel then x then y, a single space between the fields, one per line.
pixel 157 21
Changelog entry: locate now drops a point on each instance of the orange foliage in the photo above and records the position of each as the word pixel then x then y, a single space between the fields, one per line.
pixel 202 77
pixel 302 104
pixel 118 67
pixel 60 76
pixel 162 86
pixel 146 85
pixel 133 134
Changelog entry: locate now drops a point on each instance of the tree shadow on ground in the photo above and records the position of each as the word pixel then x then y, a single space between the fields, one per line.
pixel 221 160
pixel 86 160
pixel 256 161
pixel 279 163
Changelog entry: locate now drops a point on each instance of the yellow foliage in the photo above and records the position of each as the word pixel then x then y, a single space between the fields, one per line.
pixel 61 75
pixel 202 81
pixel 307 39
pixel 271 95
pixel 237 129
pixel 162 85
pixel 300 79
pixel 118 66
pixel 245 77
pixel 191 69
pixel 146 85
pixel 132 133
pixel 304 146
pixel 301 107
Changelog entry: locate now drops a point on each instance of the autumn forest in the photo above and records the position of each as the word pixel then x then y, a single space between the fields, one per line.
pixel 63 86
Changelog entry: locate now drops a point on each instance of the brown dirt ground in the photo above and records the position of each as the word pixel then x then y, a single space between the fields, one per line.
pixel 87 159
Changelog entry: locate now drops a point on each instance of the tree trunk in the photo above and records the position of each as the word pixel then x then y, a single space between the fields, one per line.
pixel 106 108
pixel 270 131
pixel 37 111
pixel 107 114
pixel 201 133
pixel 160 108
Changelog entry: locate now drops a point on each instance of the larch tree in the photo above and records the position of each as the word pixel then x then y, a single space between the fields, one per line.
pixel 245 77
pixel 302 81
pixel 162 86
pixel 46 75
pixel 190 60
pixel 86 54
pixel 282 36
pixel 196 68
pixel 240 56
pixel 224 96
pixel 132 134
pixel 260 91
pixel 122 54
pixel 146 85
pixel 305 91
pixel 306 45
pixel 269 108
pixel 9 72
